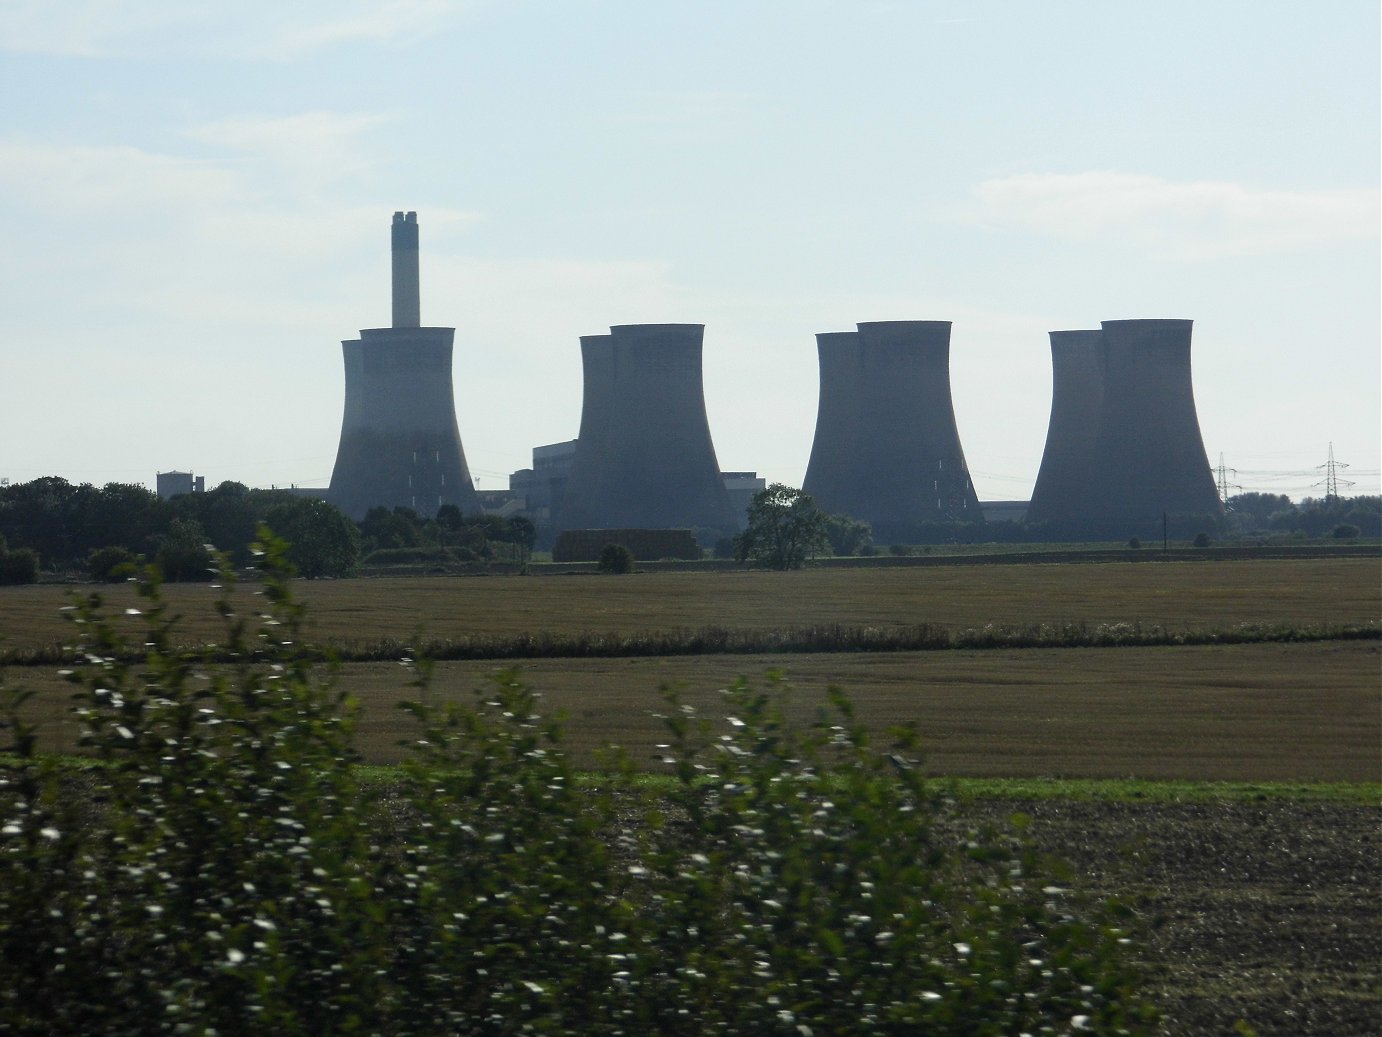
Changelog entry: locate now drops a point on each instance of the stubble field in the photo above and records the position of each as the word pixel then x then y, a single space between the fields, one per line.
pixel 1286 712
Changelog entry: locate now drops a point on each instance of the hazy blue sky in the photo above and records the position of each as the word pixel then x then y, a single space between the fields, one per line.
pixel 195 201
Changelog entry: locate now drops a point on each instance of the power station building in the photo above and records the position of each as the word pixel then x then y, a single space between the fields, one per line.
pixel 1123 447
pixel 644 457
pixel 177 484
pixel 886 448
pixel 400 445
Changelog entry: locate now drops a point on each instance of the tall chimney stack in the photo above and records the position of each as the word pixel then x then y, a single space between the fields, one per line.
pixel 400 446
pixel 407 308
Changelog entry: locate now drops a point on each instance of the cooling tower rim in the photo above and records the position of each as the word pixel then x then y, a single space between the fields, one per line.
pixel 595 339
pixel 615 329
pixel 850 337
pixel 927 337
pixel 1148 323
pixel 899 325
pixel 377 333
pixel 1076 340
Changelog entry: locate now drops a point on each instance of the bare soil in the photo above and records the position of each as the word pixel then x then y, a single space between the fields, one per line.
pixel 1261 911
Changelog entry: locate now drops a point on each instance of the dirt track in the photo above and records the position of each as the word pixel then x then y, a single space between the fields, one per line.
pixel 1267 911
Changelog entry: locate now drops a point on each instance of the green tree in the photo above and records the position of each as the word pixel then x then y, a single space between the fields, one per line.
pixel 19 566
pixel 124 515
pixel 110 564
pixel 523 533
pixel 184 555
pixel 615 558
pixel 1253 511
pixel 785 528
pixel 322 541
pixel 848 535
pixel 46 515
pixel 381 528
pixel 229 514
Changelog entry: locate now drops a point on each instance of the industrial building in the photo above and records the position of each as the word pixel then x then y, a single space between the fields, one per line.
pixel 400 444
pixel 537 492
pixel 644 457
pixel 542 487
pixel 1123 447
pixel 176 484
pixel 886 448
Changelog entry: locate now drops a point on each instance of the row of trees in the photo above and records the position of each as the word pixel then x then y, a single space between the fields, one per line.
pixel 786 528
pixel 465 537
pixel 61 525
pixel 1313 516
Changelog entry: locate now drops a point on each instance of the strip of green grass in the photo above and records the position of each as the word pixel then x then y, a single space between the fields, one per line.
pixel 378 777
pixel 1069 789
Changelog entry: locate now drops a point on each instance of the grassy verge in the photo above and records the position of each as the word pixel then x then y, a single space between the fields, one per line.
pixel 1367 794
pixel 380 778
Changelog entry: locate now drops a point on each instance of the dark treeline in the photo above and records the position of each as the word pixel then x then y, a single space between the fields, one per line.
pixel 1246 515
pixel 1314 516
pixel 56 525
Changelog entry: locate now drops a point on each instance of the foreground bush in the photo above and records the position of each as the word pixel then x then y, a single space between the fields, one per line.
pixel 798 887
pixel 229 874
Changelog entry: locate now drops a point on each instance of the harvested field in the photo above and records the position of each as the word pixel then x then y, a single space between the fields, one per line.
pixel 1176 595
pixel 1288 712
pixel 1273 712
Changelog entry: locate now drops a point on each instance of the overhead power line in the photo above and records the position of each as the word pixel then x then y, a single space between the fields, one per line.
pixel 1331 477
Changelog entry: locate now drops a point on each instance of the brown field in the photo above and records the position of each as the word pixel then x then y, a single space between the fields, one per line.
pixel 1276 712
pixel 1283 712
pixel 1176 595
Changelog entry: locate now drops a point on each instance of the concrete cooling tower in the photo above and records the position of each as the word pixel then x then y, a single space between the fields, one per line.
pixel 644 459
pixel 400 445
pixel 886 448
pixel 1077 400
pixel 1137 453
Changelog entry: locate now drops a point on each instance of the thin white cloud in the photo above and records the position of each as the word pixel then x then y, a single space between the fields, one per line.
pixel 1191 220
pixel 118 181
pixel 195 238
pixel 314 149
pixel 275 162
pixel 88 28
pixel 377 22
pixel 256 28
